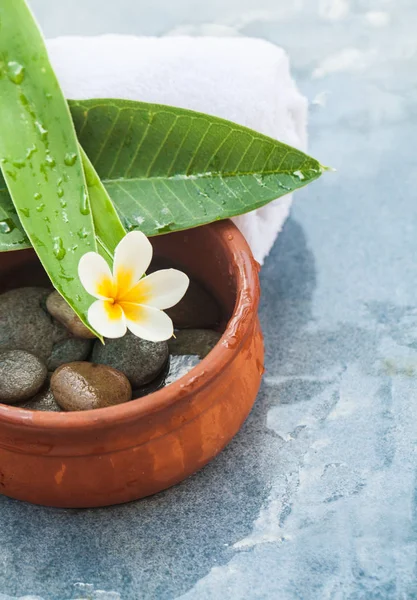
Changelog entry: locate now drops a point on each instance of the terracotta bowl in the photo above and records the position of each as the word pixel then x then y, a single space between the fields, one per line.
pixel 117 454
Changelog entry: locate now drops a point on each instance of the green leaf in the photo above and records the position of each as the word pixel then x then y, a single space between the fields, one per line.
pixel 168 168
pixel 40 158
pixel 108 228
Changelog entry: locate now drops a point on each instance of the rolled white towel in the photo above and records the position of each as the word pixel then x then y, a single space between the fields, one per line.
pixel 244 80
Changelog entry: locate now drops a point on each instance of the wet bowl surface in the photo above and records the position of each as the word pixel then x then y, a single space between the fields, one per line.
pixel 125 452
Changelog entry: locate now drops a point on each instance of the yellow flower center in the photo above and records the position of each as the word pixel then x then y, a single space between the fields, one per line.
pixel 122 296
pixel 114 311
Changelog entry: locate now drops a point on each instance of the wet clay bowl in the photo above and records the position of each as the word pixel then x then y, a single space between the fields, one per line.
pixel 117 454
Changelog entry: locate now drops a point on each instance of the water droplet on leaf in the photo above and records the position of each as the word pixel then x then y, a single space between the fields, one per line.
pixel 7 226
pixel 59 250
pixel 84 204
pixel 15 72
pixel 41 130
pixel 30 151
pixel 60 192
pixel 50 161
pixel 283 187
pixel 299 174
pixel 259 180
pixel 25 212
pixel 40 207
pixel 70 159
pixel 37 196
pixel 165 228
pixel 82 233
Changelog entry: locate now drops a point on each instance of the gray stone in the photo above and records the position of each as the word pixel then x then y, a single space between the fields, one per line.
pixel 22 375
pixel 198 309
pixel 193 341
pixel 24 324
pixel 141 361
pixel 86 386
pixel 69 350
pixel 44 401
pixel 155 385
pixel 58 307
pixel 180 366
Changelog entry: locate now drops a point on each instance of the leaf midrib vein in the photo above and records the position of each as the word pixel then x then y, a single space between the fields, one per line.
pixel 201 176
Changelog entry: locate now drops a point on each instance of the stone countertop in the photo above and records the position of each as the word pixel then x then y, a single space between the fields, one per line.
pixel 316 497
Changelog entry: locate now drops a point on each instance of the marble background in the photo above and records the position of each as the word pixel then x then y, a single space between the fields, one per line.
pixel 316 497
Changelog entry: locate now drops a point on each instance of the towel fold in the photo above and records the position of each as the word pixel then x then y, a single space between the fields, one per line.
pixel 241 79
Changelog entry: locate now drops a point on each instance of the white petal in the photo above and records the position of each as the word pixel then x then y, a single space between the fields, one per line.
pixel 95 275
pixel 107 319
pixel 161 289
pixel 131 259
pixel 147 322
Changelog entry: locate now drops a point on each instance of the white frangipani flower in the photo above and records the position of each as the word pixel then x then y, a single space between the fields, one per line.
pixel 126 299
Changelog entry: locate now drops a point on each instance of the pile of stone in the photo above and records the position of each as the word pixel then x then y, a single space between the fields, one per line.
pixel 50 361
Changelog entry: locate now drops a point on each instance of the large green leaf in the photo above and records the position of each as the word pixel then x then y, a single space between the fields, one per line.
pixel 40 158
pixel 169 168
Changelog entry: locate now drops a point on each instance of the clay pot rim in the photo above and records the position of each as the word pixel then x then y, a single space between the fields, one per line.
pixel 238 327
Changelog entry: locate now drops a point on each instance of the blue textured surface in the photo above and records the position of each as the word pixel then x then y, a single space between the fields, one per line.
pixel 315 499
